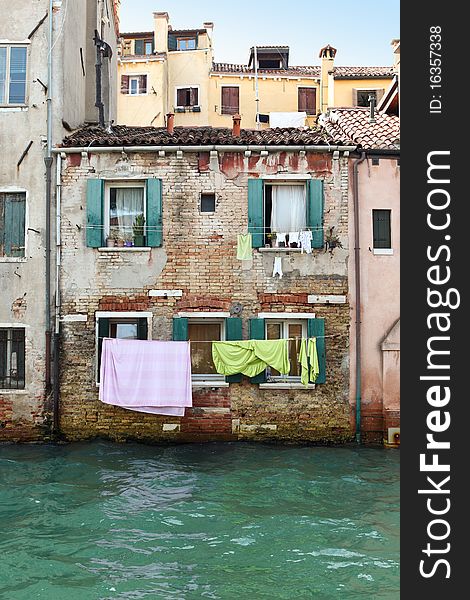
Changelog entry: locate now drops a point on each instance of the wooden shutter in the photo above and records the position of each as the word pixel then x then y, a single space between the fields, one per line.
pixel 103 331
pixel 181 97
pixel 14 224
pixel 154 213
pixel 193 96
pixel 142 328
pixel 142 84
pixel 94 213
pixel 139 47
pixel 316 328
pixel 180 329
pixel 256 211
pixel 172 42
pixel 354 97
pixel 124 84
pixel 315 207
pixel 257 332
pixel 307 100
pixel 233 332
pixel 302 99
pixel 230 100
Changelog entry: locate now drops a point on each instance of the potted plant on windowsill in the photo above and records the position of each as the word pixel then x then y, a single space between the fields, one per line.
pixel 138 229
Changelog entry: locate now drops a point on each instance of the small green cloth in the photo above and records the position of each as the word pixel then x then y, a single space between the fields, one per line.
pixel 250 357
pixel 308 358
pixel 244 251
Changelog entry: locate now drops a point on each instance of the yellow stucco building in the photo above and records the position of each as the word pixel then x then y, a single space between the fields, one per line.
pixel 173 71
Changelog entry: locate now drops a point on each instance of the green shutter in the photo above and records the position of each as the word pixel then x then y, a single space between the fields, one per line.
pixel 139 47
pixel 257 329
pixel 316 328
pixel 172 42
pixel 103 331
pixel 94 213
pixel 154 213
pixel 315 206
pixel 15 206
pixel 142 328
pixel 233 332
pixel 255 211
pixel 180 329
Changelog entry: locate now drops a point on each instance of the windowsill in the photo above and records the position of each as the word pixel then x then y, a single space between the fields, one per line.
pixel 383 251
pixel 22 392
pixel 280 250
pixel 13 106
pixel 133 95
pixel 278 385
pixel 13 259
pixel 125 249
pixel 212 384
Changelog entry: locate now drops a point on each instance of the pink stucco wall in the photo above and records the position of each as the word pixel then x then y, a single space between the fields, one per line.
pixel 379 188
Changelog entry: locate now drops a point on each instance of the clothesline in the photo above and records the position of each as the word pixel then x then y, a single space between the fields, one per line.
pixel 251 229
pixel 210 341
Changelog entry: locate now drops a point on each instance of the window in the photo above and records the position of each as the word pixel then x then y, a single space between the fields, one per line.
pixel 230 100
pixel 120 326
pixel 143 47
pixel 285 209
pixel 207 202
pixel 361 97
pixel 382 228
pixel 13 74
pixel 12 358
pixel 186 97
pixel 12 224
pixel 273 209
pixel 122 211
pixel 294 331
pixel 266 63
pixel 135 85
pixel 202 332
pixel 186 44
pixel 307 100
pixel 125 212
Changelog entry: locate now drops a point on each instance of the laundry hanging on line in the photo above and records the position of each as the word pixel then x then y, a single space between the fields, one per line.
pixel 244 246
pixel 146 376
pixel 277 269
pixel 308 359
pixel 251 357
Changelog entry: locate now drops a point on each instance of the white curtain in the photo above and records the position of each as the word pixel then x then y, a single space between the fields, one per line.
pixel 129 204
pixel 289 212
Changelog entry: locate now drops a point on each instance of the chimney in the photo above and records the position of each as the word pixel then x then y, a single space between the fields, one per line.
pixel 161 20
pixel 170 122
pixel 327 55
pixel 236 125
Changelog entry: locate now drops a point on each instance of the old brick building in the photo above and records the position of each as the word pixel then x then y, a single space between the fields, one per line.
pixel 198 189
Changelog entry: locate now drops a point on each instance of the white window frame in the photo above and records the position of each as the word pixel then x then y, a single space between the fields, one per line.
pixel 19 259
pixel 274 379
pixel 187 87
pixel 382 251
pixel 186 39
pixel 9 45
pixel 11 326
pixel 216 378
pixel 131 315
pixel 135 77
pixel 128 183
pixel 284 181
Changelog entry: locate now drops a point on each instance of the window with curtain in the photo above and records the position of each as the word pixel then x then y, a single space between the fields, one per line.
pixel 285 208
pixel 294 331
pixel 126 204
pixel 13 61
pixel 187 96
pixel 203 333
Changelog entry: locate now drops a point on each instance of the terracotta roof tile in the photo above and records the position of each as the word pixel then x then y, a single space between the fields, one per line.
pixel 354 123
pixel 123 135
pixel 363 72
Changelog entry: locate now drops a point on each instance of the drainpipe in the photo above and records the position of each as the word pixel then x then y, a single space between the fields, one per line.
pixel 48 162
pixel 57 300
pixel 357 272
pixel 99 100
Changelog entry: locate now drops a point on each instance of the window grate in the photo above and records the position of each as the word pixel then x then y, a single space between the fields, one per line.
pixel 12 358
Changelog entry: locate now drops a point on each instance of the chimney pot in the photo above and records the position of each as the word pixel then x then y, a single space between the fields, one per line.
pixel 236 125
pixel 170 122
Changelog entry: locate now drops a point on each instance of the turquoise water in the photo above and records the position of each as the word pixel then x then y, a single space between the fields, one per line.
pixel 229 521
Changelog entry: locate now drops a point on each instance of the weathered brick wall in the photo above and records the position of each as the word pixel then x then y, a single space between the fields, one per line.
pixel 199 257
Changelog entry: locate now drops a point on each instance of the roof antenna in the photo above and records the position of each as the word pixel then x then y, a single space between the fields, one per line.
pixel 372 101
